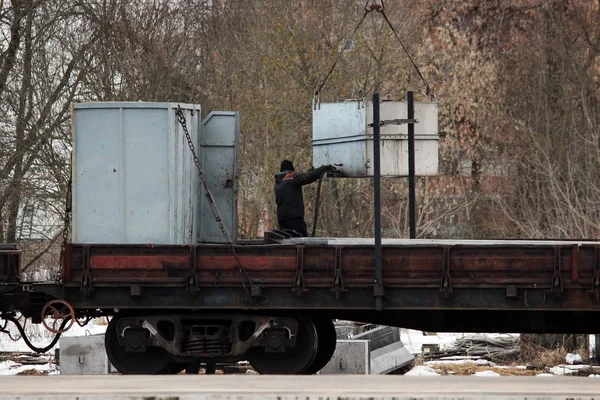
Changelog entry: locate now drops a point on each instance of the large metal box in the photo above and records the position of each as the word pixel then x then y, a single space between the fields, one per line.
pixel 219 147
pixel 341 135
pixel 83 355
pixel 133 180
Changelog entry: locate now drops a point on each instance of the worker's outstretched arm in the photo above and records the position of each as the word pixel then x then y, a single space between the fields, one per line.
pixel 311 176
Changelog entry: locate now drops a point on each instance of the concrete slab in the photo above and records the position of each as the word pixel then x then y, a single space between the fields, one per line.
pixel 351 357
pixel 236 387
pixel 83 355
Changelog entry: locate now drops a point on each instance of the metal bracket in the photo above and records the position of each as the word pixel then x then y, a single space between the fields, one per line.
pixel 557 287
pixel 395 122
pixel 596 278
pixel 299 286
pixel 86 277
pixel 256 292
pixel 446 284
pixel 338 279
pixel 191 280
pixel 575 262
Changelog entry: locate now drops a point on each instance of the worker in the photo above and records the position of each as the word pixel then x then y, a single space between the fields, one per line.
pixel 289 198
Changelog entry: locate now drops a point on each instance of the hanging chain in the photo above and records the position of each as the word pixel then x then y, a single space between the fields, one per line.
pixel 211 201
pixel 380 8
pixel 368 9
pixel 428 90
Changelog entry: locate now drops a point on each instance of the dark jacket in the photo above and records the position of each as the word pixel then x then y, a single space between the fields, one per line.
pixel 288 192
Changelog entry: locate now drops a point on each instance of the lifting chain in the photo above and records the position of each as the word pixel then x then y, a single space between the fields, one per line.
pixel 368 8
pixel 213 206
pixel 371 6
pixel 428 91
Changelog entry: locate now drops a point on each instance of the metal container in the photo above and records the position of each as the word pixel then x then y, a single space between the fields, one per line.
pixel 219 147
pixel 133 174
pixel 341 135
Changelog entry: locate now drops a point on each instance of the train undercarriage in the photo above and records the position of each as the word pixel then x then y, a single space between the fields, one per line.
pixel 170 343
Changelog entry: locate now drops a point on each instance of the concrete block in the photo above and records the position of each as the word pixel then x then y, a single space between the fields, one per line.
pixel 377 351
pixel 83 355
pixel 390 358
pixel 350 357
pixel 380 336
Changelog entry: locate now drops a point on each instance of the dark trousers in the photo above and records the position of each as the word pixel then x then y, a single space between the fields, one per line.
pixel 297 225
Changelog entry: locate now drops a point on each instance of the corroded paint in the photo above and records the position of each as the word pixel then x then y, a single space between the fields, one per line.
pixel 138 262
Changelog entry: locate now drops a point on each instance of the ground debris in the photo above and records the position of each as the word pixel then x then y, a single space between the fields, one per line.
pixel 33 371
pixel 481 346
pixel 24 358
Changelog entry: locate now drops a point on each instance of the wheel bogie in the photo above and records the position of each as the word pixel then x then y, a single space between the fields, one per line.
pixel 170 343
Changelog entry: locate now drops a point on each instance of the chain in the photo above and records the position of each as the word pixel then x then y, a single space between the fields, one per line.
pixel 211 201
pixel 428 91
pixel 369 8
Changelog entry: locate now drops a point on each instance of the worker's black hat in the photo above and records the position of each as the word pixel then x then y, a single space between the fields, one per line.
pixel 287 165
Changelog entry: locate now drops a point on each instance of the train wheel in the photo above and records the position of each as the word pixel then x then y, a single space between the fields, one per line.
pixel 295 360
pixel 155 360
pixel 327 339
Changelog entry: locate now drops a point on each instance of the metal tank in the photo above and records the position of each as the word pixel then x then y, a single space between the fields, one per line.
pixel 341 135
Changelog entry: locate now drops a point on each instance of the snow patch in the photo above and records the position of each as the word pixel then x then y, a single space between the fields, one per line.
pixel 545 375
pixel 486 373
pixel 15 368
pixel 421 370
pixel 523 367
pixel 573 358
pixel 40 337
pixel 461 362
pixel 567 369
pixel 454 358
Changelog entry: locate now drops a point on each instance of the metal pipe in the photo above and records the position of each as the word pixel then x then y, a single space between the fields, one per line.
pixel 377 200
pixel 411 167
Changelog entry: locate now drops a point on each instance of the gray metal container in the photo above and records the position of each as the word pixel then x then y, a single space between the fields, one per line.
pixel 133 180
pixel 341 135
pixel 134 177
pixel 219 150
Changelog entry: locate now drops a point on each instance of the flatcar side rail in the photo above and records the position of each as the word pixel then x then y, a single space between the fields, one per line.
pixel 561 272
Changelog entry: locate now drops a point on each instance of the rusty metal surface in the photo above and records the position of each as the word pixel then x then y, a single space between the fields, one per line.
pixel 480 276
pixel 10 262
pixel 522 266
pixel 507 287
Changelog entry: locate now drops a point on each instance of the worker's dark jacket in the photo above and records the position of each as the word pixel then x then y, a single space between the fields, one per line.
pixel 288 192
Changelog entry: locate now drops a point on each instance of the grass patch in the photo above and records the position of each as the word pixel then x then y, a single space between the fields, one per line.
pixel 539 356
pixel 33 372
pixel 470 369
